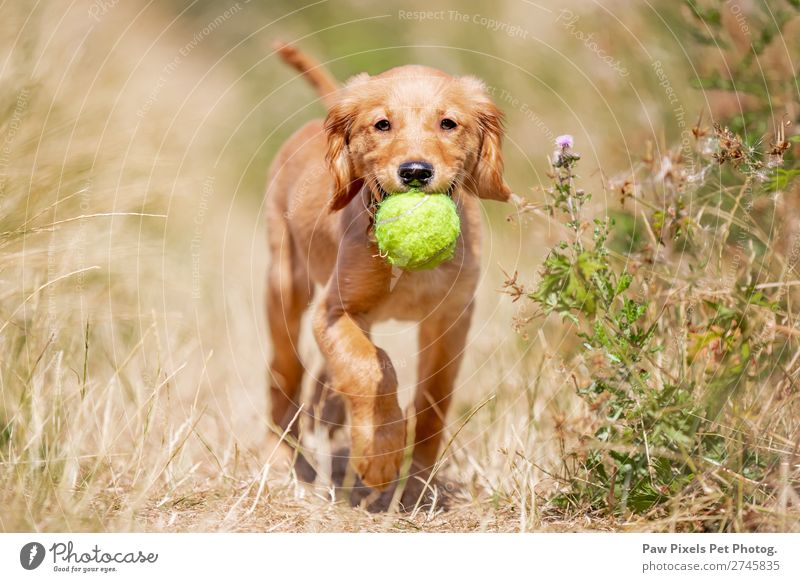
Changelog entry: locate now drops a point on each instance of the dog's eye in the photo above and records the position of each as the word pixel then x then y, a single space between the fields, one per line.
pixel 448 123
pixel 383 125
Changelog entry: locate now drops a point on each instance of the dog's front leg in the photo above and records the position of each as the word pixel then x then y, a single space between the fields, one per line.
pixel 442 341
pixel 363 374
pixel 360 371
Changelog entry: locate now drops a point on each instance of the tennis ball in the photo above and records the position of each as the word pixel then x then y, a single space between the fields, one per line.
pixel 416 230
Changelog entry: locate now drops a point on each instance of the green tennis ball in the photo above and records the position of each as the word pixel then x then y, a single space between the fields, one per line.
pixel 416 230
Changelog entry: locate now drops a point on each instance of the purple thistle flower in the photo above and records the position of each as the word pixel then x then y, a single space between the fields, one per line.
pixel 564 141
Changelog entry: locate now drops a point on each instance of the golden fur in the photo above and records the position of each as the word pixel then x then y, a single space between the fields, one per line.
pixel 319 216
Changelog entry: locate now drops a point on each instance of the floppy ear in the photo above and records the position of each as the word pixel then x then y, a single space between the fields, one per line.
pixel 487 174
pixel 338 125
pixel 337 128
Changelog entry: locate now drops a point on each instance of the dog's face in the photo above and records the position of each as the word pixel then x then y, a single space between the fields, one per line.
pixel 415 127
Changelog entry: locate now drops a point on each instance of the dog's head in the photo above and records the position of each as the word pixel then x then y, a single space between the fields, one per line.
pixel 415 127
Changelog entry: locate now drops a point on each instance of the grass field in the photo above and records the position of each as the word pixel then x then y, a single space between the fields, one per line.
pixel 133 346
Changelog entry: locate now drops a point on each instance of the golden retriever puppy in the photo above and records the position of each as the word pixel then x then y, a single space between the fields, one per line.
pixel 411 126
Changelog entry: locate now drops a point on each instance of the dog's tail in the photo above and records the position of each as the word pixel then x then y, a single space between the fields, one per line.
pixel 316 74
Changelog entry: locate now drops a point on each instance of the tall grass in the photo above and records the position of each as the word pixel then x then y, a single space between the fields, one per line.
pixel 132 345
pixel 104 350
pixel 682 300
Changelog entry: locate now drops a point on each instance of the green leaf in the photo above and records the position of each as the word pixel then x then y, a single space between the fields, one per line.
pixel 781 179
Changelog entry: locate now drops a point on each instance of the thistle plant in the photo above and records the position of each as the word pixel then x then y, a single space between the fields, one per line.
pixel 669 343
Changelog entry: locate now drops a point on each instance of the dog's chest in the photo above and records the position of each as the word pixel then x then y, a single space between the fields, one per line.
pixel 414 296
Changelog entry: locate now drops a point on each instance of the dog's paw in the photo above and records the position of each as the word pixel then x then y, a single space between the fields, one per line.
pixel 377 447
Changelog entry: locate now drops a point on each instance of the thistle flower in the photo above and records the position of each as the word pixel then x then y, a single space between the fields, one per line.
pixel 565 141
pixel 563 156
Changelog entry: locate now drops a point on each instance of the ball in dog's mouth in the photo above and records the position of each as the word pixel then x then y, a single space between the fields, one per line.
pixel 417 230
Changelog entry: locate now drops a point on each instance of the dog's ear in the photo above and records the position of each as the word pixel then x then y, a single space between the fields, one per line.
pixel 338 125
pixel 337 129
pixel 487 173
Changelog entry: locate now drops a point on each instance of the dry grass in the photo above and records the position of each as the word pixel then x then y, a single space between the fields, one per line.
pixel 132 344
pixel 132 335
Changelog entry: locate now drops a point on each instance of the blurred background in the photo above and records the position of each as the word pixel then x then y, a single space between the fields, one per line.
pixel 137 138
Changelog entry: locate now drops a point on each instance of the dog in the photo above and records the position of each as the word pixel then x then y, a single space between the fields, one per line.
pixel 410 126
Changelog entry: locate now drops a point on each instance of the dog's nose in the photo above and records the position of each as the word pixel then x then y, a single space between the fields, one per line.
pixel 416 173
